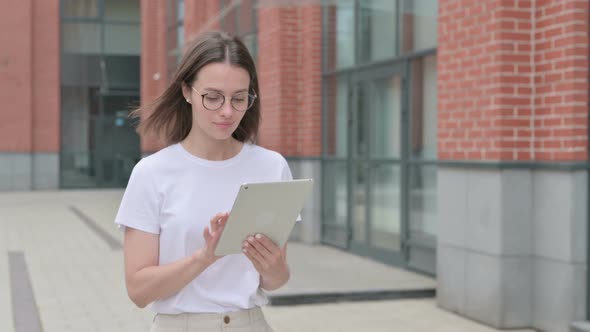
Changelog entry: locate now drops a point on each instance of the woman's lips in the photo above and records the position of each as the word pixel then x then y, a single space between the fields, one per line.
pixel 223 125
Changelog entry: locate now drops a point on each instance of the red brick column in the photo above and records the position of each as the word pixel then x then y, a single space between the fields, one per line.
pixel 153 58
pixel 46 77
pixel 310 115
pixel 561 80
pixel 16 76
pixel 270 74
pixel 513 80
pixel 289 66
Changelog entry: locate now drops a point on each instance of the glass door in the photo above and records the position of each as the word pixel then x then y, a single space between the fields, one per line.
pixel 117 146
pixel 375 199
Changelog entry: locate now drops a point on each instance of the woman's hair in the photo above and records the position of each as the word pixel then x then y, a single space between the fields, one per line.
pixel 170 115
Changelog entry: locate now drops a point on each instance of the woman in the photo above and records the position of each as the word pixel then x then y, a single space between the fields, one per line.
pixel 175 205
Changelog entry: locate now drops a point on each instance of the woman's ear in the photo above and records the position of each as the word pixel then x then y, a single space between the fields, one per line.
pixel 186 92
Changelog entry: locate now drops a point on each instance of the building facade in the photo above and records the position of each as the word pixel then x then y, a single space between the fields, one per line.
pixel 447 137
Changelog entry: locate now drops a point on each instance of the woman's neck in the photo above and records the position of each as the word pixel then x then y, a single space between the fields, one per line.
pixel 211 149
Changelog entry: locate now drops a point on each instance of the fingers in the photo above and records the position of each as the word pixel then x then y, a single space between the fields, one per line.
pixel 262 251
pixel 262 245
pixel 207 235
pixel 218 221
pixel 213 232
pixel 257 260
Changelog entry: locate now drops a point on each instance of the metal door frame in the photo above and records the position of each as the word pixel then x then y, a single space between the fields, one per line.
pixel 366 249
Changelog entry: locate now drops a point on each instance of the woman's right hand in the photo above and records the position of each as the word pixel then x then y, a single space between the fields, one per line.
pixel 211 235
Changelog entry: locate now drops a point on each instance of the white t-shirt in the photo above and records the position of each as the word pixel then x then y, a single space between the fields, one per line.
pixel 175 194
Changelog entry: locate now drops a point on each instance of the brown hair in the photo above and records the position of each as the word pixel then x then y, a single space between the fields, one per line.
pixel 170 116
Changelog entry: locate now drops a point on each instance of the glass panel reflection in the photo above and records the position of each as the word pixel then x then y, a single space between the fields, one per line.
pixel 127 10
pixel 423 108
pixel 378 29
pixel 336 189
pixel 337 102
pixel 359 203
pixel 385 101
pixel 80 38
pixel 420 24
pixel 339 34
pixel 122 39
pixel 386 206
pixel 423 203
pixel 80 8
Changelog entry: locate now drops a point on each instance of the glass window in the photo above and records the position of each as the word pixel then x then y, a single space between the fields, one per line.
pixel 180 40
pixel 385 100
pixel 378 29
pixel 386 207
pixel 180 10
pixel 339 35
pixel 337 116
pixel 174 35
pixel 335 202
pixel 423 203
pixel 423 103
pixel 122 72
pixel 336 186
pixel 119 104
pixel 80 8
pixel 80 38
pixel 80 69
pixel 127 10
pixel 122 39
pixel 78 106
pixel 420 24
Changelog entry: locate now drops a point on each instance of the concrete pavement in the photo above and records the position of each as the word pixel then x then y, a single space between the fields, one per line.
pixel 71 254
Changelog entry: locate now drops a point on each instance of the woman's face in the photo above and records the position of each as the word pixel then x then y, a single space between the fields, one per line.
pixel 218 80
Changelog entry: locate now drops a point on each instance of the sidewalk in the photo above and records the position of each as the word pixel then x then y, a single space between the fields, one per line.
pixel 65 245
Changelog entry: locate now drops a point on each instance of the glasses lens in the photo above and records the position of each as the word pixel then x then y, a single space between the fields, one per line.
pixel 242 102
pixel 213 101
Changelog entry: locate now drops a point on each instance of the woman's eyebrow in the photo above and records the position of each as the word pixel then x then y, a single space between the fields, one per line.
pixel 221 91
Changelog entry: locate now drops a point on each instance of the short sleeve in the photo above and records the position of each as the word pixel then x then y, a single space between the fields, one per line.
pixel 139 207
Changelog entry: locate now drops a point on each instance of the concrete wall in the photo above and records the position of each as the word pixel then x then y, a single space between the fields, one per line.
pixel 29 95
pixel 26 171
pixel 511 246
pixel 309 229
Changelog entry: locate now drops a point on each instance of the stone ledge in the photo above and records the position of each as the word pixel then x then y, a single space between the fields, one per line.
pixel 580 327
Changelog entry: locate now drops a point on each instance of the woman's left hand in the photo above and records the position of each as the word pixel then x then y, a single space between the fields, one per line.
pixel 268 259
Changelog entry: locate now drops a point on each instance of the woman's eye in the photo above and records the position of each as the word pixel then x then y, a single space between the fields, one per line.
pixel 212 98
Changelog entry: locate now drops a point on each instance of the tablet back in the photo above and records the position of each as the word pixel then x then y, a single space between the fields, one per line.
pixel 269 208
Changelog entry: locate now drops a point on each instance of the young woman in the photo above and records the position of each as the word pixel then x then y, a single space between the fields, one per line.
pixel 175 205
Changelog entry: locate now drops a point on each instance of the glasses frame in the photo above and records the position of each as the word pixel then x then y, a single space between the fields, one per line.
pixel 254 96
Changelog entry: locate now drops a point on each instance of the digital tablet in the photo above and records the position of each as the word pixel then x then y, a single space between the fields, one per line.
pixel 269 208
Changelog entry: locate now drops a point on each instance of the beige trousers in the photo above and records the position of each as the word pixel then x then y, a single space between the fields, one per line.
pixel 251 320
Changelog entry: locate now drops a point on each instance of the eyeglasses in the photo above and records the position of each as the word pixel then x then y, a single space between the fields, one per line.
pixel 213 101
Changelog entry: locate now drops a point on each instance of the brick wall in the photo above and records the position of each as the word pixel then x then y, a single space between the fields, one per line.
pixel 29 76
pixel 289 66
pixel 513 80
pixel 561 80
pixel 309 135
pixel 46 77
pixel 153 58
